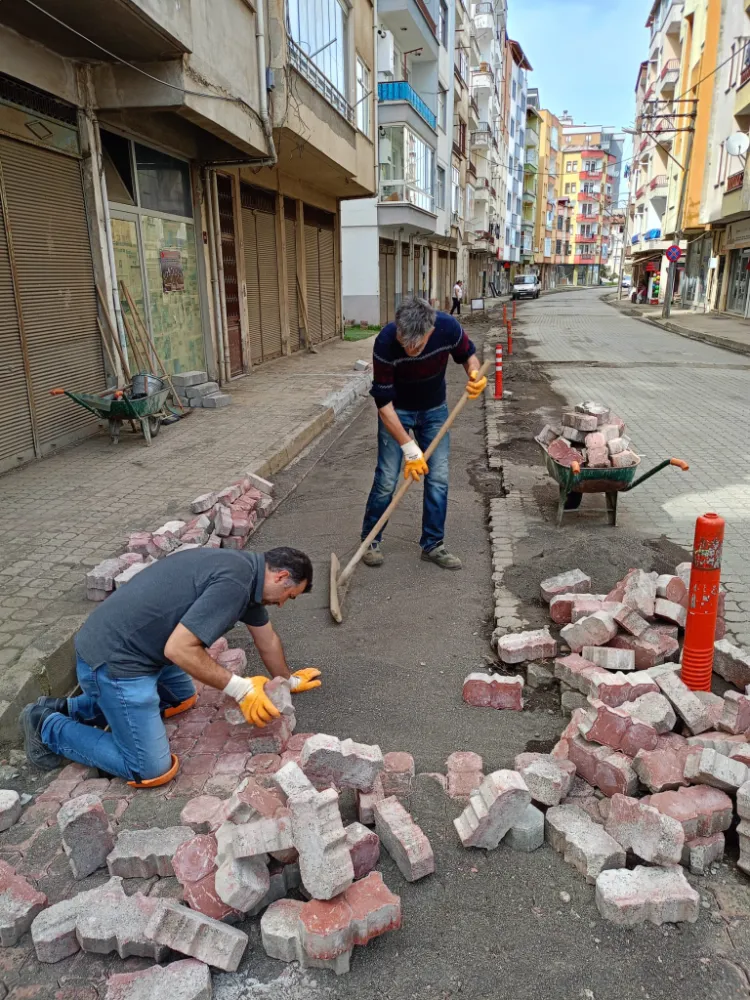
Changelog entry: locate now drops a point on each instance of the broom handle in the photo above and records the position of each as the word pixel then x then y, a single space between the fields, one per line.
pixel 350 566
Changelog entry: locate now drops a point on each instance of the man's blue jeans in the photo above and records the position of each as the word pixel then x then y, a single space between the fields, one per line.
pixel 136 747
pixel 425 424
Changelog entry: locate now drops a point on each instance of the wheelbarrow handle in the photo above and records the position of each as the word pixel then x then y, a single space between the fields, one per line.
pixel 679 463
pixel 575 468
pixel 657 468
pixel 57 392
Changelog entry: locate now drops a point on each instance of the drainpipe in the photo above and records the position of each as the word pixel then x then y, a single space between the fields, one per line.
pixel 207 186
pixel 260 43
pixel 214 195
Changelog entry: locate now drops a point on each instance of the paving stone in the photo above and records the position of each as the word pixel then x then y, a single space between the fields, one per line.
pixel 701 810
pixel 10 808
pixel 699 854
pixel 364 848
pixel 493 691
pixel 714 705
pixel 243 882
pixel 539 677
pixel 185 979
pixel 583 843
pixel 203 814
pixel 464 774
pixel 527 833
pixel 631 621
pixel 670 611
pixel 712 768
pixel 203 897
pixel 721 742
pixel 689 708
pixel 262 835
pixel 547 778
pixel 663 769
pixel 743 801
pixel 659 895
pixel 602 767
pixel 292 781
pixel 87 834
pixel 366 803
pixel 197 935
pixel 195 859
pixel 732 663
pixel 574 581
pixel 646 648
pixel 519 647
pixel 616 728
pixel 397 776
pixel 328 761
pixel 19 904
pixel 586 605
pixel 562 453
pixel 653 710
pixel 578 673
pixel 144 853
pixel 672 588
pixel 651 835
pixel 637 590
pixel 280 933
pixel 318 835
pixel 735 719
pixel 561 608
pixel 403 839
pixel 493 808
pixel 609 658
pixel 595 630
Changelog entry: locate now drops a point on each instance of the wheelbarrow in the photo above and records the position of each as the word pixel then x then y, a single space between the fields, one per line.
pixel 575 481
pixel 116 406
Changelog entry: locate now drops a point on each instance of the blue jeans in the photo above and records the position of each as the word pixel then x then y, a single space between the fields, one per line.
pixel 425 424
pixel 136 747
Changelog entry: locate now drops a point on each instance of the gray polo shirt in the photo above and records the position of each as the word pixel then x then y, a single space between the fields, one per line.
pixel 206 590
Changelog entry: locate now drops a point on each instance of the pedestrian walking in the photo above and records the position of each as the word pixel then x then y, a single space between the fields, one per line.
pixel 410 357
pixel 458 294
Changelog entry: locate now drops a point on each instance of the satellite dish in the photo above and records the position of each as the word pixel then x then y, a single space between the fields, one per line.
pixel 738 144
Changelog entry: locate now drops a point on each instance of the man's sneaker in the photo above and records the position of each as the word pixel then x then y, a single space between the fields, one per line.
pixel 31 720
pixel 56 704
pixel 374 555
pixel 442 558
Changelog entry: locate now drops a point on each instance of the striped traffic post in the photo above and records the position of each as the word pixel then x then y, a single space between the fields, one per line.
pixel 510 337
pixel 498 371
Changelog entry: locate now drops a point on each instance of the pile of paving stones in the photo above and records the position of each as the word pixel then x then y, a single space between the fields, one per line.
pixel 646 769
pixel 591 435
pixel 223 519
pixel 196 390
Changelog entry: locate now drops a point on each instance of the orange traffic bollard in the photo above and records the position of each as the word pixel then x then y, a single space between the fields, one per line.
pixel 510 337
pixel 514 308
pixel 703 603
pixel 498 371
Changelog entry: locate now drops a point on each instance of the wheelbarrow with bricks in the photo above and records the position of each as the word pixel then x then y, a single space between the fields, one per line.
pixel 574 481
pixel 143 402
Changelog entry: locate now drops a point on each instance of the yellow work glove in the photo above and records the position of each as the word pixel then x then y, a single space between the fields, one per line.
pixel 255 705
pixel 476 385
pixel 414 464
pixel 305 680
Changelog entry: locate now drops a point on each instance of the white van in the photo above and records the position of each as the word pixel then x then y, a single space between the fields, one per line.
pixel 526 286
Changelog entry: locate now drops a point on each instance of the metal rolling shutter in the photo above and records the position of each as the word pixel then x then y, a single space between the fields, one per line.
pixel 16 435
pixel 383 285
pixel 442 279
pixel 327 266
pixel 290 224
pixel 252 290
pixel 268 276
pixel 55 285
pixel 231 285
pixel 312 260
pixel 404 272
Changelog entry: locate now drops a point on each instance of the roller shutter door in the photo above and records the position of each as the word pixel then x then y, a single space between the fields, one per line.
pixel 261 273
pixel 387 281
pixel 320 260
pixel 56 295
pixel 312 264
pixel 442 279
pixel 290 226
pixel 252 289
pixel 231 285
pixel 327 264
pixel 268 275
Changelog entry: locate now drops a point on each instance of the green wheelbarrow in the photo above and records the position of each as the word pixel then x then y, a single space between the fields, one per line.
pixel 575 481
pixel 115 406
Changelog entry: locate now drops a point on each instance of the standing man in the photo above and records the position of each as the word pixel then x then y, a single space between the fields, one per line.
pixel 139 652
pixel 409 361
pixel 458 294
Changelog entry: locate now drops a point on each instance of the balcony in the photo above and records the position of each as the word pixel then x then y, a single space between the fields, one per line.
pixel 471 170
pixel 586 218
pixel 484 20
pixel 669 75
pixel 474 116
pixel 406 206
pixel 640 192
pixel 642 145
pixel 664 131
pixel 672 19
pixel 397 97
pixel 411 23
pixel 482 81
pixel 482 190
pixel 658 186
pixel 588 195
pixel 481 137
pixel 317 79
pixel 531 162
pixel 742 100
pixel 735 181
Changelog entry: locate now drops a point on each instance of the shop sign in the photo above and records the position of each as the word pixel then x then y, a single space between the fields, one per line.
pixel 172 275
pixel 738 234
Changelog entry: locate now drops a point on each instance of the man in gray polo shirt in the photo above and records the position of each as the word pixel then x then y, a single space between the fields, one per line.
pixel 140 650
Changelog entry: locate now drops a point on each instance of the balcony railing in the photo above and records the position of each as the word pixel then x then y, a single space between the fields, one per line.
pixel 735 181
pixel 402 91
pixel 403 191
pixel 482 79
pixel 472 170
pixel 484 8
pixel 660 181
pixel 314 76
pixel 481 135
pixel 461 66
pixel 640 192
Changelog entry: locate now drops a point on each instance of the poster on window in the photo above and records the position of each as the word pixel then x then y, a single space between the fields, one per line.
pixel 172 275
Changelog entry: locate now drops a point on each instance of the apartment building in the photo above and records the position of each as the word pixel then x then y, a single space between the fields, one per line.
pixel 194 154
pixel 532 180
pixel 515 100
pixel 549 243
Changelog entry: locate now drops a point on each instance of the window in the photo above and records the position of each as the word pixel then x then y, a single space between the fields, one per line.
pixel 455 190
pixel 514 90
pixel 443 108
pixel 558 245
pixel 512 127
pixel 406 167
pixel 469 201
pixel 443 23
pixel 559 222
pixel 460 137
pixel 507 236
pixel 571 167
pixel 440 188
pixel 317 35
pixel 510 201
pixel 363 97
pixel 567 225
pixel 163 182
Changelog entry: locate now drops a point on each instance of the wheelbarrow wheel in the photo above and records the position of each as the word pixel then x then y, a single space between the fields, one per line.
pixel 154 425
pixel 573 501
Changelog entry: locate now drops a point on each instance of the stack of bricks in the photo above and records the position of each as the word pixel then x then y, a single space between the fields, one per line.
pixel 221 519
pixel 591 435
pixel 196 390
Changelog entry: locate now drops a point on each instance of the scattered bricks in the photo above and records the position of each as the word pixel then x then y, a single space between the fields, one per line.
pixel 561 608
pixel 403 839
pixel 625 460
pixel 185 379
pixel 595 440
pixel 203 897
pixel 583 843
pixel 539 677
pixel 195 859
pixel 637 590
pixel 102 577
pixel 397 776
pixel 465 774
pixel 127 574
pixel 617 446
pixel 630 620
pixel 493 809
pixel 193 537
pixel 577 673
pixel 203 503
pixel 10 808
pixel 581 421
pixel 698 855
pixel 689 708
pixel 647 652
pixel 144 853
pixel 572 700
pixel 318 834
pixel 19 904
pixel 493 691
pixel 234 660
pixel 229 494
pixel 660 895
pixel 562 453
pixel 609 658
pixel 87 835
pixel 203 814
pixel 241 525
pixel 214 541
pixel 547 778
pixel 260 836
pixel 364 848
pixel 721 742
pixel 735 719
pixel 649 833
pixel 217 647
pixel 683 570
pixel 671 588
pixel 280 932
pixel 194 934
pixel 547 434
pixel 598 458
pixel 222 521
pixel 375 909
pixel 527 833
pixel 610 432
pixel 328 761
pixel 138 542
pixel 251 801
pixel 366 802
pixel 664 768
pixel 601 413
pixel 616 689
pixel 182 980
pixel 602 767
pixel 670 611
pixel 714 705
pixel 653 710
pixel 743 801
pixel 292 781
pixel 519 647
pixel 594 630
pixel 243 882
pixel 574 581
pixel 615 728
pixel 164 545
pixel 714 769
pixel 732 663
pixel 588 605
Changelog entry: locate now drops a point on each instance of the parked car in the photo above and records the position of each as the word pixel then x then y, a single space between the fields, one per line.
pixel 626 281
pixel 526 286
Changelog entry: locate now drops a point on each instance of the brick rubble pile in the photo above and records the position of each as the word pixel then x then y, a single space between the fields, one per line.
pixel 196 390
pixel 221 519
pixel 591 435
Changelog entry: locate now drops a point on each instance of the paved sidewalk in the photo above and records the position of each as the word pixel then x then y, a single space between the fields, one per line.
pixel 717 329
pixel 63 515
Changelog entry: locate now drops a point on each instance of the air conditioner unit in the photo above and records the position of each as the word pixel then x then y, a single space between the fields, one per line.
pixel 386 55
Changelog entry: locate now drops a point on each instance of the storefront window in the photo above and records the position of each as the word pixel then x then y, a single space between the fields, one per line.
pixel 738 281
pixel 163 182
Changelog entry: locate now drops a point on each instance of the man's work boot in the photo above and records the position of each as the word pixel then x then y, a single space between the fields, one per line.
pixel 56 704
pixel 31 720
pixel 374 555
pixel 442 558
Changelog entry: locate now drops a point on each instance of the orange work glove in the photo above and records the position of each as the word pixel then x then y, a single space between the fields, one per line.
pixel 305 680
pixel 476 385
pixel 254 703
pixel 414 464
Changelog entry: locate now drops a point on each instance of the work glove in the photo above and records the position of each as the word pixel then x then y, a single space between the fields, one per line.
pixel 414 464
pixel 476 385
pixel 305 680
pixel 255 705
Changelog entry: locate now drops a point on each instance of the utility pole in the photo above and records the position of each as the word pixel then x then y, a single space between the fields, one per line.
pixel 671 274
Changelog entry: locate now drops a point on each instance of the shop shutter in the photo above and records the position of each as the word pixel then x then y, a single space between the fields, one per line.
pixel 56 286
pixel 383 285
pixel 312 261
pixel 327 265
pixel 231 285
pixel 16 437
pixel 268 276
pixel 442 280
pixel 404 273
pixel 290 224
pixel 252 288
